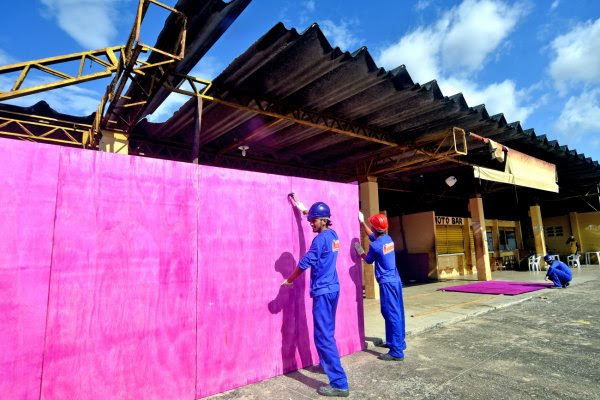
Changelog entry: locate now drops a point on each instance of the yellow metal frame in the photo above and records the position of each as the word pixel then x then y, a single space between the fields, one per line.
pixel 122 61
pixel 106 58
pixel 45 129
pixel 200 88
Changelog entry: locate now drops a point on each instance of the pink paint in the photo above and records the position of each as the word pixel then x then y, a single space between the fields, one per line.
pixel 28 179
pixel 164 280
pixel 122 297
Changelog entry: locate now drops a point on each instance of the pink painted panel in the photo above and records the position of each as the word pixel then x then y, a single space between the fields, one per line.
pixel 122 306
pixel 28 179
pixel 165 278
pixel 249 328
pixel 343 202
pixel 244 251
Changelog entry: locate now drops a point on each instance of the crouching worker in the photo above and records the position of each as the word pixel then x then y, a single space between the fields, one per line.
pixel 390 286
pixel 325 291
pixel 558 272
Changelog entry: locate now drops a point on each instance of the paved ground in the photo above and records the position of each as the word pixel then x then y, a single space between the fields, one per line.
pixel 428 308
pixel 543 345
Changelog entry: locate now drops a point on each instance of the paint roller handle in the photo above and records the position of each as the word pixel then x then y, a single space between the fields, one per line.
pixel 298 204
pixel 359 249
pixel 290 279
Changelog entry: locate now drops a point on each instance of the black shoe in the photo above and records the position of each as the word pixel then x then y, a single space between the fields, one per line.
pixel 389 357
pixel 333 392
pixel 566 284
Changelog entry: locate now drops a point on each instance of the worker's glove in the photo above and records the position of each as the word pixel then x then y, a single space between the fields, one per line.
pixel 361 217
pixel 359 249
pixel 302 207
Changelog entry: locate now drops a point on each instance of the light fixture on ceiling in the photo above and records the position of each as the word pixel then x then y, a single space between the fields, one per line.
pixel 243 149
pixel 451 181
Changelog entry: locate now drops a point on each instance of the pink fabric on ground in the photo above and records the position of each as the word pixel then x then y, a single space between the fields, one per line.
pixel 121 321
pixel 28 178
pixel 498 287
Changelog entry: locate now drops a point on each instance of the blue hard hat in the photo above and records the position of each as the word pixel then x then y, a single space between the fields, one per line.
pixel 548 258
pixel 318 210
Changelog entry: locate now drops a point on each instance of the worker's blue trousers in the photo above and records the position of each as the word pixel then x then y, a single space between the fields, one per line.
pixel 558 277
pixel 324 308
pixel 392 309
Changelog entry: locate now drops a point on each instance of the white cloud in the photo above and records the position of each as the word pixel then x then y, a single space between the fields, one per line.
pixel 419 51
pixel 6 58
pixel 72 100
pixel 89 22
pixel 579 120
pixel 422 4
pixel 310 5
pixel 554 4
pixel 340 34
pixel 475 29
pixel 458 45
pixel 577 56
pixel 503 97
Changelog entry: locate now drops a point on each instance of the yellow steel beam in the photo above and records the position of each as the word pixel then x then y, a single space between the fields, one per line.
pixel 44 129
pixel 110 66
pixel 296 115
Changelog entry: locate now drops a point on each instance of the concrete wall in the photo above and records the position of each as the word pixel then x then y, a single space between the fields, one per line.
pixel 588 237
pixel 589 224
pixel 125 277
pixel 557 244
pixel 420 237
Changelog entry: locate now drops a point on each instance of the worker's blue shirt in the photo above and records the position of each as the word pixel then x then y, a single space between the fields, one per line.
pixel 560 266
pixel 321 258
pixel 382 252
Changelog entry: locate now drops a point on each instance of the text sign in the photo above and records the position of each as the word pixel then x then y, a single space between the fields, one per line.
pixel 449 220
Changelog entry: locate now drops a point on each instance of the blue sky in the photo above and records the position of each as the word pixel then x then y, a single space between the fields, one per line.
pixel 537 62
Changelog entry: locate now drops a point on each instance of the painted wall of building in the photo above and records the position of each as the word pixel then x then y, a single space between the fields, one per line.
pixel 556 232
pixel 589 225
pixel 419 231
pixel 129 277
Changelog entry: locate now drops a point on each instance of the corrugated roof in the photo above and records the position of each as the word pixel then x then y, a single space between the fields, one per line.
pixel 302 70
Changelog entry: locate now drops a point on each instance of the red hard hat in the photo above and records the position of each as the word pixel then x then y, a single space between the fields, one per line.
pixel 379 222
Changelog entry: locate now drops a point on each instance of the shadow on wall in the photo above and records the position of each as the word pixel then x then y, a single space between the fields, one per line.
pixel 294 328
pixel 290 301
pixel 356 275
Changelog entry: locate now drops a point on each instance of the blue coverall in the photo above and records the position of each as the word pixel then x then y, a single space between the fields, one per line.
pixel 390 290
pixel 559 273
pixel 325 291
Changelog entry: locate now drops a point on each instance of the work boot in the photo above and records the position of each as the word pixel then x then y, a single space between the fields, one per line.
pixel 333 392
pixel 389 357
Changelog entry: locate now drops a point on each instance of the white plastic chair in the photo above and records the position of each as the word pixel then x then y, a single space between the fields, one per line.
pixel 534 263
pixel 573 260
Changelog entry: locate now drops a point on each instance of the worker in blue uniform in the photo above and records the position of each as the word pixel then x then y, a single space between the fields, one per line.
pixel 381 251
pixel 325 291
pixel 558 272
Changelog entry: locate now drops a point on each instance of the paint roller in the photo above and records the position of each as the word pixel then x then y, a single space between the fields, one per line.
pixel 298 204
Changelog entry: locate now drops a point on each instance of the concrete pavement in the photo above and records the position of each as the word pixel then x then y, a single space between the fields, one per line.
pixel 426 307
pixel 452 366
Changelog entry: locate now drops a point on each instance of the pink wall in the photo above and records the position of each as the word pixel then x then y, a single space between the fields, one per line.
pixel 128 277
pixel 28 182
